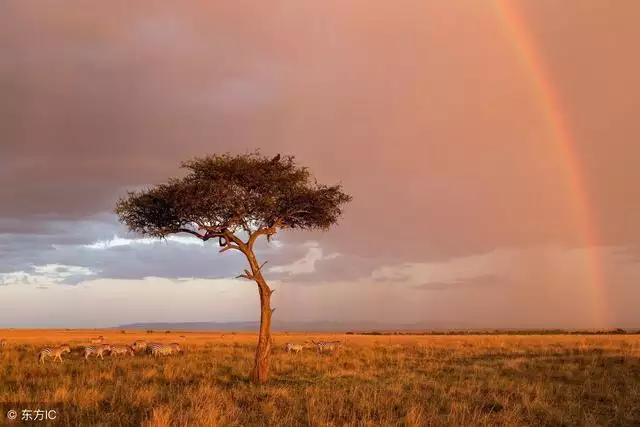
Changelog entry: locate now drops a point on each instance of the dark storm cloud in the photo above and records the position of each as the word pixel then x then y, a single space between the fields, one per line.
pixel 48 240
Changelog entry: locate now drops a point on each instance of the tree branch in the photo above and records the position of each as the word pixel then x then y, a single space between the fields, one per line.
pixel 216 229
pixel 195 233
pixel 260 232
pixel 273 229
pixel 222 232
pixel 246 275
pixel 237 220
pixel 229 246
pixel 233 238
pixel 269 231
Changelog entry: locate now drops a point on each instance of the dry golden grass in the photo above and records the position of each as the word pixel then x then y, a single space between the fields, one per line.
pixel 374 380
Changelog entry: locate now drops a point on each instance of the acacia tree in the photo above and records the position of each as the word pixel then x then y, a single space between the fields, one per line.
pixel 236 199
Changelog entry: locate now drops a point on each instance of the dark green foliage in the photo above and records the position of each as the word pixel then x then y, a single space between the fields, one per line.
pixel 231 193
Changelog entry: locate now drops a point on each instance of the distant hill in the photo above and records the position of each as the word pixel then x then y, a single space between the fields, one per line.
pixel 253 326
pixel 318 326
pixel 366 328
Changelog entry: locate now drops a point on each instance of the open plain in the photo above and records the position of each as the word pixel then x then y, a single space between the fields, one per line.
pixel 372 380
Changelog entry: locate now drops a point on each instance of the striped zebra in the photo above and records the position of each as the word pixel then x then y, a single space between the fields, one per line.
pixel 124 350
pixel 140 345
pixel 96 350
pixel 158 349
pixel 98 340
pixel 326 346
pixel 296 348
pixel 53 352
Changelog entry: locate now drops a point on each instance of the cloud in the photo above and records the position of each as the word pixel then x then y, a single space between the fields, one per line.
pixel 16 277
pixel 119 241
pixel 34 258
pixel 48 274
pixel 305 265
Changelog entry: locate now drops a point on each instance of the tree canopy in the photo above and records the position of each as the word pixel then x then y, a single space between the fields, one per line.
pixel 225 193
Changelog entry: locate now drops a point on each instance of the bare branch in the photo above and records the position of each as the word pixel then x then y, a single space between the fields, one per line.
pixel 230 246
pixel 246 275
pixel 235 239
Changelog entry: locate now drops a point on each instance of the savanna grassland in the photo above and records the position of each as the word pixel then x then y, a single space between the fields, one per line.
pixel 373 380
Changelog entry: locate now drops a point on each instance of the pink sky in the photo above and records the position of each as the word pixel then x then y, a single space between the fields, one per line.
pixel 424 111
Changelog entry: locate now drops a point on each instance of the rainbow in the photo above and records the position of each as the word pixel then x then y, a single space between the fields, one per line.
pixel 524 46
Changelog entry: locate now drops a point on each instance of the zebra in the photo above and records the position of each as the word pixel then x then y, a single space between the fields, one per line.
pixel 157 349
pixel 98 340
pixel 176 347
pixel 322 346
pixel 139 345
pixel 296 348
pixel 96 350
pixel 119 349
pixel 53 352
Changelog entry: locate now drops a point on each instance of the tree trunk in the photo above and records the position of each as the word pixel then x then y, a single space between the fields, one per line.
pixel 260 372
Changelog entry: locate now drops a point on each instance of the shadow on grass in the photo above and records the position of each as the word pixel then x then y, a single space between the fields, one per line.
pixel 552 366
pixel 567 355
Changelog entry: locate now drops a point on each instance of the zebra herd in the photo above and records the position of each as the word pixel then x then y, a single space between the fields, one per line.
pixel 97 349
pixel 320 346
